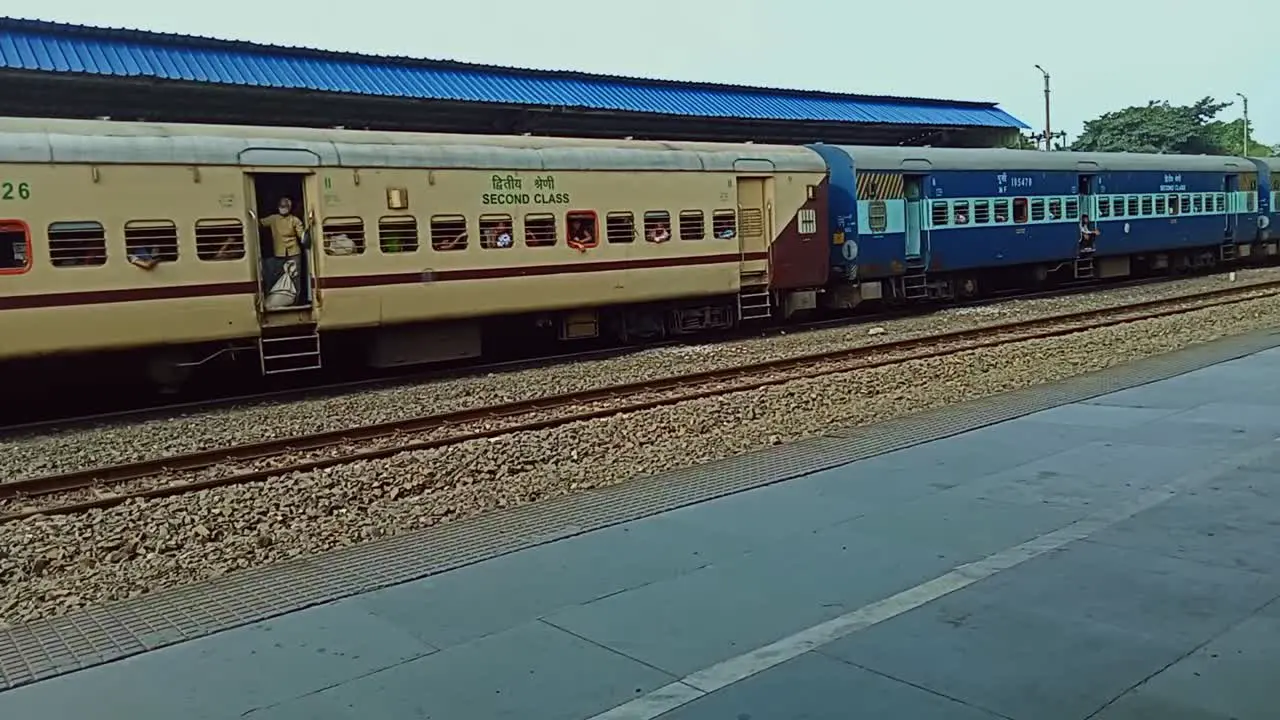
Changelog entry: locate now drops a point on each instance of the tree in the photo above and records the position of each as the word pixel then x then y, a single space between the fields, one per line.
pixel 1228 136
pixel 1159 127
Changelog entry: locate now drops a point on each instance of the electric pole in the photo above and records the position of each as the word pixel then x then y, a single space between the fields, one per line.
pixel 1048 127
pixel 1245 135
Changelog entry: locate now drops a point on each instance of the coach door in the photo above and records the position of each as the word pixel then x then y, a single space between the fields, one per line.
pixel 754 209
pixel 1087 189
pixel 282 202
pixel 913 227
pixel 279 204
pixel 754 237
pixel 1234 205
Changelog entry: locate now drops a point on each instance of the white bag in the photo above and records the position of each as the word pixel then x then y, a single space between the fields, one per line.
pixel 285 292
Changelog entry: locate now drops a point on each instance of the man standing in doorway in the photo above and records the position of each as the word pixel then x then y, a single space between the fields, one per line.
pixel 286 241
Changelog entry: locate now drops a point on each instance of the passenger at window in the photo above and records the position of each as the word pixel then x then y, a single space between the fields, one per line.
pixel 505 236
pixel 1087 234
pixel 580 236
pixel 146 258
pixel 961 218
pixel 457 241
pixel 659 233
pixel 231 248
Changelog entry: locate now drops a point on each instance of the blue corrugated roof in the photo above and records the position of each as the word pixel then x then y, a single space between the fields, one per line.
pixel 53 47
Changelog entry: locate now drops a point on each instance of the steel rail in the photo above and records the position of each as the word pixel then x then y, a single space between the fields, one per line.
pixel 817 364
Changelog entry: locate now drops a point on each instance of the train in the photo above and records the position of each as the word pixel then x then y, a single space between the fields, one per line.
pixel 156 249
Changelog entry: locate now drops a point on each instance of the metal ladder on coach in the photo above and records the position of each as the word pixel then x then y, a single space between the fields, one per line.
pixel 755 303
pixel 915 282
pixel 289 349
pixel 915 287
pixel 1084 268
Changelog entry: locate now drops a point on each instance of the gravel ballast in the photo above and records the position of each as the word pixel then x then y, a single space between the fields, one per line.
pixel 49 565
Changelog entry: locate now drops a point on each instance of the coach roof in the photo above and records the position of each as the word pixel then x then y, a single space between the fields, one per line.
pixel 100 141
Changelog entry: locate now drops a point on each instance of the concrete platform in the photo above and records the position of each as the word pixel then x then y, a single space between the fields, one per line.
pixel 1115 557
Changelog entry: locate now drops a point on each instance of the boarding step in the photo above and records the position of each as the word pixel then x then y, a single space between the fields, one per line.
pixel 915 262
pixel 1084 268
pixel 755 303
pixel 915 287
pixel 292 350
pixel 1227 252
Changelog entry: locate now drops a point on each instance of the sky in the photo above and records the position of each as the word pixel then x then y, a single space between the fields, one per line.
pixel 1102 55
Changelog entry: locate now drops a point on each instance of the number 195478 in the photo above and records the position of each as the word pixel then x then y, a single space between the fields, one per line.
pixel 15 191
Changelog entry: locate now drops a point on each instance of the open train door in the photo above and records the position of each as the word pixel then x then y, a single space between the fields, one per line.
pixel 916 224
pixel 1234 205
pixel 289 340
pixel 754 235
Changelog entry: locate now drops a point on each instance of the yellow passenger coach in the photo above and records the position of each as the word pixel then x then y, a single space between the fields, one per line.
pixel 157 243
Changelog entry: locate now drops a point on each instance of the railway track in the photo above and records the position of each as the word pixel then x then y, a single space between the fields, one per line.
pixel 107 486
pixel 321 391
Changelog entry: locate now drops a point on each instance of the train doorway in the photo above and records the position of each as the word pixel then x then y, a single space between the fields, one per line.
pixel 1232 188
pixel 283 218
pixel 913 189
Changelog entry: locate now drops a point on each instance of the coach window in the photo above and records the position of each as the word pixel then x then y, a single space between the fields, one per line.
pixel 1104 207
pixel 398 233
pixel 1160 206
pixel 1146 204
pixel 448 232
pixel 1019 210
pixel 1220 202
pixel 724 224
pixel 77 244
pixel 219 239
pixel 877 216
pixel 343 236
pixel 940 212
pixel 540 230
pixel 1197 204
pixel 1250 200
pixel 961 210
pixel 657 226
pixel 620 227
pixel 693 226
pixel 1174 205
pixel 1133 206
pixel 1037 209
pixel 1073 208
pixel 150 242
pixel 583 229
pixel 15 247
pixel 1055 209
pixel 1000 208
pixel 981 212
pixel 497 232
pixel 1117 206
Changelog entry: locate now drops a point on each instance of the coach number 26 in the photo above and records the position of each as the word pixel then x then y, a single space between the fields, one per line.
pixel 14 191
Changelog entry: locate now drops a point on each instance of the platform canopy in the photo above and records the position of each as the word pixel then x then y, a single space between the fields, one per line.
pixel 59 70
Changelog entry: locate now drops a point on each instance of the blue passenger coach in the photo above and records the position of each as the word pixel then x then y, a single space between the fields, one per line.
pixel 921 223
